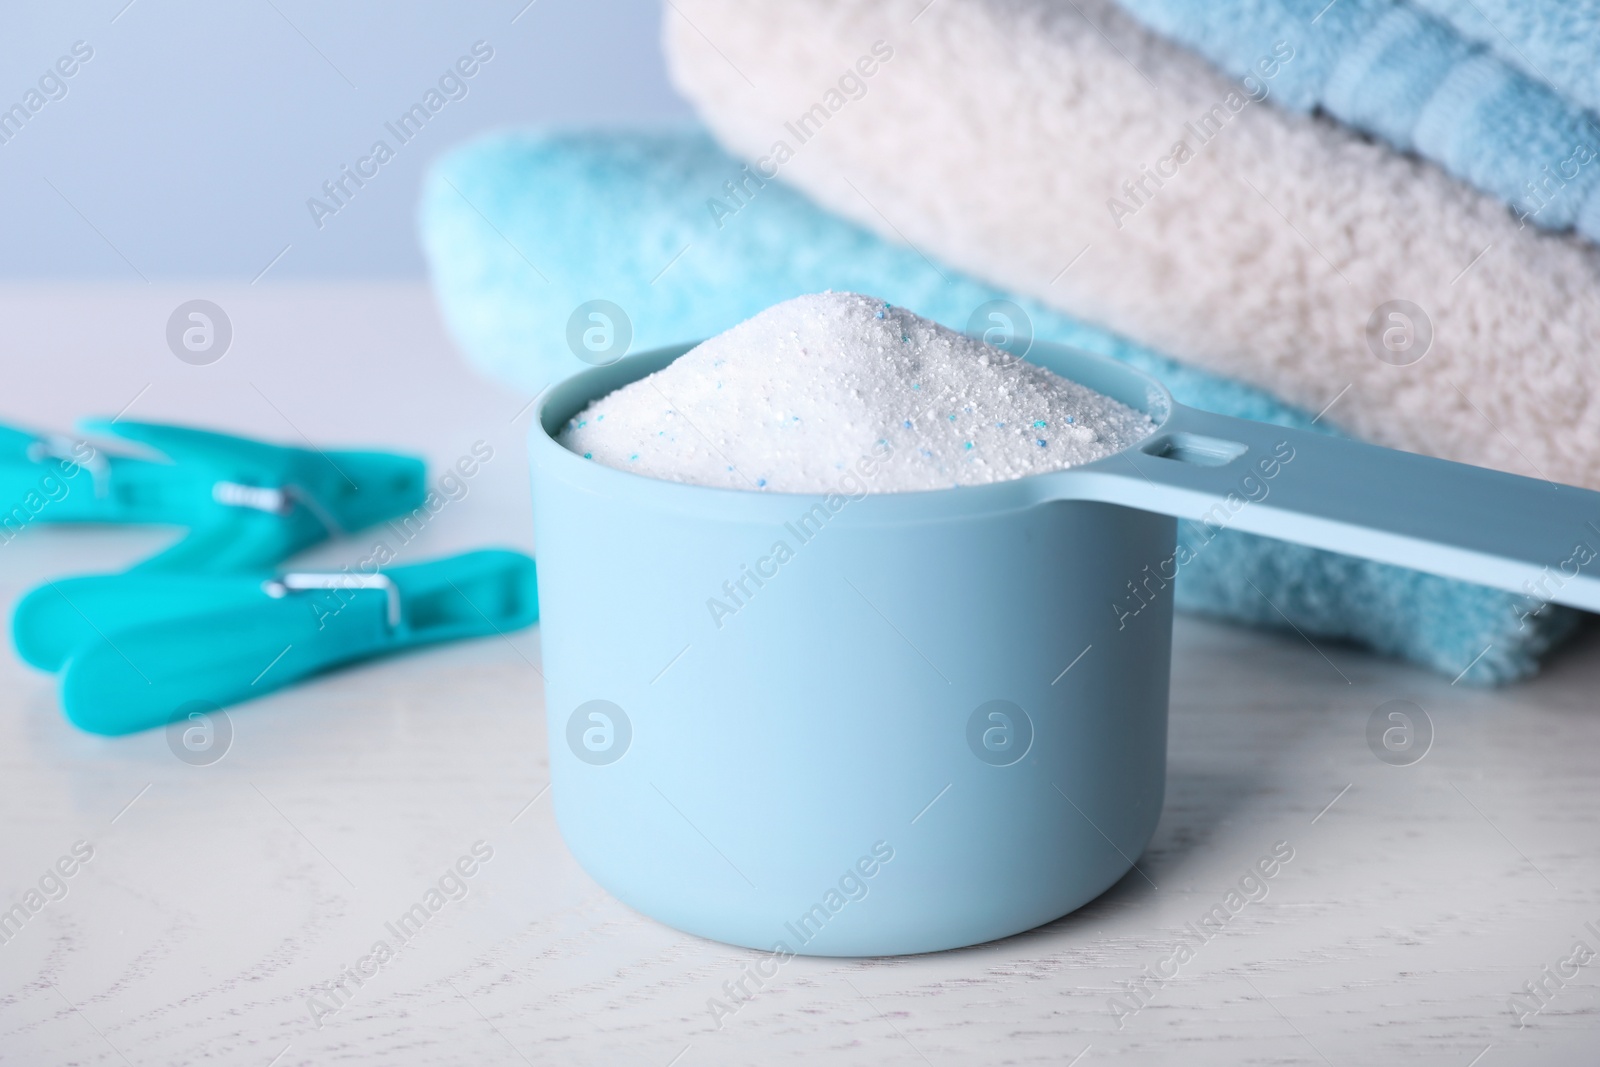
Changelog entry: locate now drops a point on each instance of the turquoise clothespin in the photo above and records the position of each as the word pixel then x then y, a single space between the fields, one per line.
pixel 136 648
pixel 247 504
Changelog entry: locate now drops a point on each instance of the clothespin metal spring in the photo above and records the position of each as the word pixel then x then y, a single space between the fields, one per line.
pixel 304 581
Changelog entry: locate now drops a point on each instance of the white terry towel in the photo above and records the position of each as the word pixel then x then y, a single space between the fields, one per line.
pixel 998 136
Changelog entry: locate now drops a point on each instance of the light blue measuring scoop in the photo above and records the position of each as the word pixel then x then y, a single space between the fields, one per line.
pixel 875 723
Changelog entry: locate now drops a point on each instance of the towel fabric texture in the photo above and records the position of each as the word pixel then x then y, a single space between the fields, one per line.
pixel 1394 71
pixel 1555 41
pixel 1065 152
pixel 522 230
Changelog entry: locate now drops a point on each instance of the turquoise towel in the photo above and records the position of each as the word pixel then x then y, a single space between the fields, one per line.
pixel 522 229
pixel 1392 70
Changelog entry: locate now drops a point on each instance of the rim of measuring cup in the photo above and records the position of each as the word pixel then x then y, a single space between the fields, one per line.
pixel 564 398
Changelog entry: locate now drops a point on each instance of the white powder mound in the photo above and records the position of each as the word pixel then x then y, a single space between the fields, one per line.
pixel 792 399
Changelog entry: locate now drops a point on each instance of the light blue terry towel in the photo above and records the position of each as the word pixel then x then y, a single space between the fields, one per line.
pixel 522 229
pixel 1554 41
pixel 1389 68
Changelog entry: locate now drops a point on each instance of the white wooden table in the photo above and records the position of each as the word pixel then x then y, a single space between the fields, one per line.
pixel 219 898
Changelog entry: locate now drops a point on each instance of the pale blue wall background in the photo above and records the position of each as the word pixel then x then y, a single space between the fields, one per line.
pixel 193 137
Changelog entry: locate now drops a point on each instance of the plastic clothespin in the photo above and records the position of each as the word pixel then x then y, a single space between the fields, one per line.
pixel 247 504
pixel 38 481
pixel 137 649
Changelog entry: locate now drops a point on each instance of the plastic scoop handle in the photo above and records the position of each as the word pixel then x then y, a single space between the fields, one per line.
pixel 1524 535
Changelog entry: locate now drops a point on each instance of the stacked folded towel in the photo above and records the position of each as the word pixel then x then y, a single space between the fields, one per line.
pixel 1066 152
pixel 1392 69
pixel 522 230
